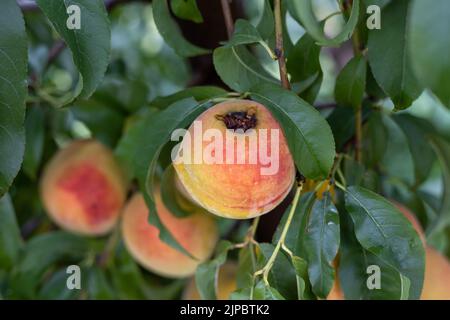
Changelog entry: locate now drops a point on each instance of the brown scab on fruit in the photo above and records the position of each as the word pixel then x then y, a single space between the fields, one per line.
pixel 243 120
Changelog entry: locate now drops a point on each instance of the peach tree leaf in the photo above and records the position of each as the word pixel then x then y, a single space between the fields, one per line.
pixel 239 69
pixel 322 244
pixel 390 58
pixel 430 46
pixel 13 91
pixel 186 9
pixel 90 45
pixel 206 276
pixel 10 239
pixel 171 33
pixel 302 11
pixel 381 229
pixel 351 83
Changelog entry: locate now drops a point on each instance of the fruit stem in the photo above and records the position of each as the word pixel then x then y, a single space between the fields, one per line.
pixel 279 49
pixel 266 269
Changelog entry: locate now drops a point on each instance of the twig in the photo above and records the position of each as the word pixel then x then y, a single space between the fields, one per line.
pixel 279 49
pixel 228 17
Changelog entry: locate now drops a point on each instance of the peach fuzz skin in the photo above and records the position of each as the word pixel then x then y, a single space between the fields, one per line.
pixel 238 191
pixel 83 189
pixel 436 284
pixel 197 233
pixel 226 284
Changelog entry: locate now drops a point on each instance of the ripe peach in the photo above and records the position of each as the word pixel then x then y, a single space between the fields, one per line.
pixel 229 176
pixel 226 284
pixel 83 188
pixel 197 233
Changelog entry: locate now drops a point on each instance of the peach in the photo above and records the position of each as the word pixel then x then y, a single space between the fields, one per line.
pixel 224 165
pixel 226 283
pixel 197 233
pixel 83 189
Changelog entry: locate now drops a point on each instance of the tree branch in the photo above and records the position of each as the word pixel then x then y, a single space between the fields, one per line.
pixel 279 49
pixel 228 17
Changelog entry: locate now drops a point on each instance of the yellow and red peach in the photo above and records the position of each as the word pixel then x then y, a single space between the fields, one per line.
pixel 197 233
pixel 83 189
pixel 228 187
pixel 226 283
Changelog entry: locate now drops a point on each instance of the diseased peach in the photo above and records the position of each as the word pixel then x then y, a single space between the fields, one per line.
pixel 225 171
pixel 197 233
pixel 226 283
pixel 83 189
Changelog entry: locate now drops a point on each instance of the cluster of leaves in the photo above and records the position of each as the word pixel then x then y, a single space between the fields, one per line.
pixel 112 97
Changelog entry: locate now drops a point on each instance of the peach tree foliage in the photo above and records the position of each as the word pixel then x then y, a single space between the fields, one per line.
pixel 105 82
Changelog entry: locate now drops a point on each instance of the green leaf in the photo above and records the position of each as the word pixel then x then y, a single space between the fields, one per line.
pixel 282 276
pixel 265 292
pixel 239 69
pixel 430 45
pixel 322 244
pixel 297 230
pixel 10 239
pixel 90 45
pixel 302 11
pixel 353 269
pixel 35 135
pixel 171 33
pixel 245 33
pixel 55 288
pixel 130 143
pixel 301 271
pixel 13 91
pixel 170 195
pixel 383 230
pixel 303 59
pixel 351 83
pixel 199 93
pixel 442 220
pixel 97 285
pixel 390 58
pixel 246 267
pixel 342 123
pixel 186 9
pixel 206 276
pixel 375 137
pixel 308 134
pixel 126 276
pixel 266 25
pixel 40 253
pixel 417 133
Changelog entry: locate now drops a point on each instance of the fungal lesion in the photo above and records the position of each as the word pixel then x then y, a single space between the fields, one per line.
pixel 244 120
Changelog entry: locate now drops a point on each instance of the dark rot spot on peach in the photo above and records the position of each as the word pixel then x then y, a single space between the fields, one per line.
pixel 92 190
